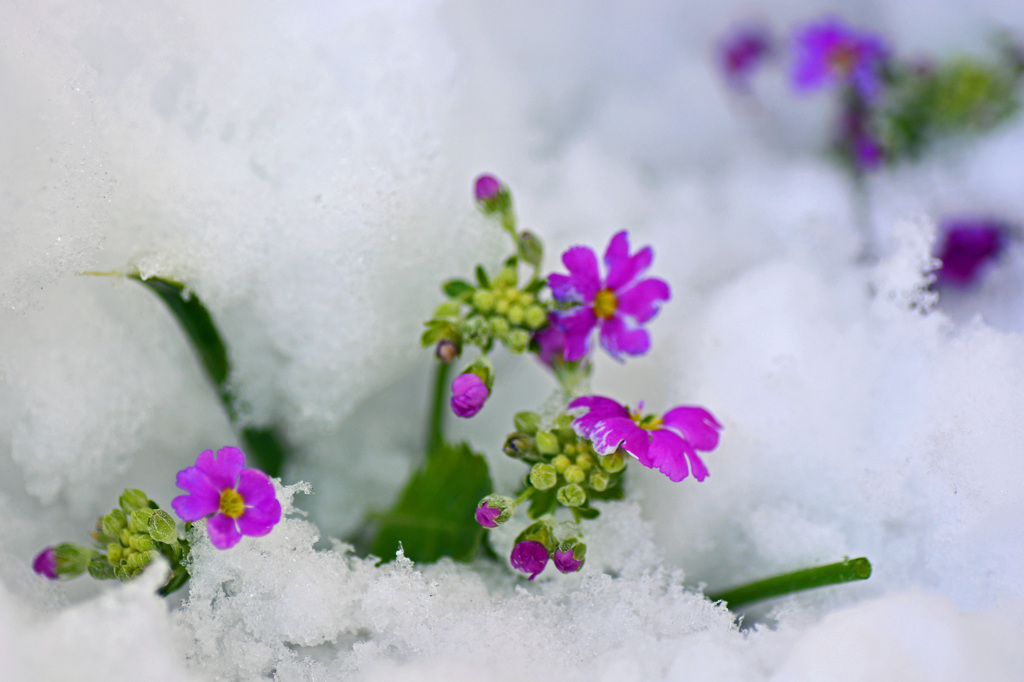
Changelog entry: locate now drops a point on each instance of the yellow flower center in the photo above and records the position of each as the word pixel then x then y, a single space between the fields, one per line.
pixel 605 303
pixel 843 59
pixel 651 422
pixel 231 503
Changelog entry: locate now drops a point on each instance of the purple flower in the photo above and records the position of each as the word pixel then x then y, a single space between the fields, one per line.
pixel 742 51
pixel 618 303
pixel 45 563
pixel 487 516
pixel 469 393
pixel 668 443
pixel 529 556
pixel 487 187
pixel 550 341
pixel 864 148
pixel 967 246
pixel 242 501
pixel 829 52
pixel 566 561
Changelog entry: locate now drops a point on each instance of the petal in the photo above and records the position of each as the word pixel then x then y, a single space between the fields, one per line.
pixel 617 338
pixel 618 248
pixel 609 434
pixel 624 271
pixel 641 301
pixel 599 404
pixel 669 454
pixel 698 426
pixel 222 471
pixel 582 265
pixel 196 481
pixel 577 325
pixel 259 520
pixel 223 532
pixel 255 487
pixel 195 506
pixel 563 288
pixel 697 466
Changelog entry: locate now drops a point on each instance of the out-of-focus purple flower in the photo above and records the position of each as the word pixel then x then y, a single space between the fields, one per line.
pixel 619 303
pixel 741 52
pixel 829 52
pixel 668 443
pixel 865 150
pixel 550 341
pixel 242 501
pixel 469 393
pixel 45 563
pixel 487 187
pixel 529 556
pixel 566 561
pixel 967 246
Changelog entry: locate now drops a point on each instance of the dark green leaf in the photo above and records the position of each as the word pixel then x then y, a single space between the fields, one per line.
pixel 481 277
pixel 535 285
pixel 542 502
pixel 434 515
pixel 454 288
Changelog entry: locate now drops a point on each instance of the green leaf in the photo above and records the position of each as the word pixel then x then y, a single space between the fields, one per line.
pixel 454 288
pixel 542 502
pixel 262 444
pixel 482 278
pixel 434 515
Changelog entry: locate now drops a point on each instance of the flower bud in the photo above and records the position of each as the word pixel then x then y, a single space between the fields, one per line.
pixel 115 552
pixel 570 556
pixel 520 446
pixel 45 563
pixel 518 340
pixel 162 527
pixel 543 476
pixel 571 495
pixel 599 480
pixel 561 463
pixel 500 327
pixel 113 523
pixel 141 543
pixel 495 510
pixel 585 461
pixel 529 556
pixel 535 317
pixel 448 309
pixel 483 300
pixel 613 463
pixel 446 350
pixel 574 474
pixel 526 422
pixel 138 520
pixel 132 499
pixel 508 277
pixel 547 443
pixel 486 189
pixel 530 248
pixel 516 314
pixel 469 393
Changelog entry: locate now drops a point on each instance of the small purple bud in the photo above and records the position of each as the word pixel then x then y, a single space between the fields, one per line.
pixel 487 187
pixel 566 561
pixel 486 516
pixel 742 51
pixel 529 556
pixel 469 393
pixel 968 246
pixel 446 350
pixel 46 563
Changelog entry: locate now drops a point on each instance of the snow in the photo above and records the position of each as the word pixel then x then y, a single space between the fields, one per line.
pixel 308 171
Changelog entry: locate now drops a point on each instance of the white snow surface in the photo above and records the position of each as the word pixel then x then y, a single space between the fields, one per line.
pixel 307 167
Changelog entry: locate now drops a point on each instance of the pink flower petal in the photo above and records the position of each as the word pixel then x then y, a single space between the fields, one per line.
pixel 697 466
pixel 618 248
pixel 642 300
pixel 599 404
pixel 563 288
pixel 258 521
pixel 609 434
pixel 223 532
pixel 623 272
pixel 255 488
pixel 669 454
pixel 576 324
pixel 195 506
pixel 698 426
pixel 222 471
pixel 617 338
pixel 582 265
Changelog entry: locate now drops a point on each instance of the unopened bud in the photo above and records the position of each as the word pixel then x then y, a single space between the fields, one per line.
pixel 518 340
pixel 543 476
pixel 570 556
pixel 500 328
pixel 561 463
pixel 483 300
pixel 614 463
pixel 113 523
pixel 520 446
pixel 526 422
pixel 495 510
pixel 598 480
pixel 536 317
pixel 516 314
pixel 530 248
pixel 571 495
pixel 141 543
pixel 138 520
pixel 574 474
pixel 162 527
pixel 132 499
pixel 446 350
pixel 547 443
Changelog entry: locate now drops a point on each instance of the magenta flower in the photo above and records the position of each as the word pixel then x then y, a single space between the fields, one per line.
pixel 566 561
pixel 486 188
pixel 469 393
pixel 529 556
pixel 619 303
pixel 550 341
pixel 668 443
pixel 45 563
pixel 830 52
pixel 968 245
pixel 242 501
pixel 741 52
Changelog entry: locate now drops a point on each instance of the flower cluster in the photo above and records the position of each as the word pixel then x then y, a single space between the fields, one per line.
pixel 126 540
pixel 574 459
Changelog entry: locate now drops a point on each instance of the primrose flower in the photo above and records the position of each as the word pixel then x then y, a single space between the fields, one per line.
pixel 469 393
pixel 617 304
pixel 741 52
pixel 45 563
pixel 530 556
pixel 831 52
pixel 486 188
pixel 242 501
pixel 968 245
pixel 668 443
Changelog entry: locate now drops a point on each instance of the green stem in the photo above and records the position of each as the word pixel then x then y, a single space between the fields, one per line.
pixel 435 427
pixel 797 581
pixel 525 495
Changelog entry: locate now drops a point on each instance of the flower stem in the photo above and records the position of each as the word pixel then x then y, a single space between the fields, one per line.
pixel 435 427
pixel 525 495
pixel 797 581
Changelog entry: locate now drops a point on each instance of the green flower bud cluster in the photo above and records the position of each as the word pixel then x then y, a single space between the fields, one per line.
pixel 565 470
pixel 126 540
